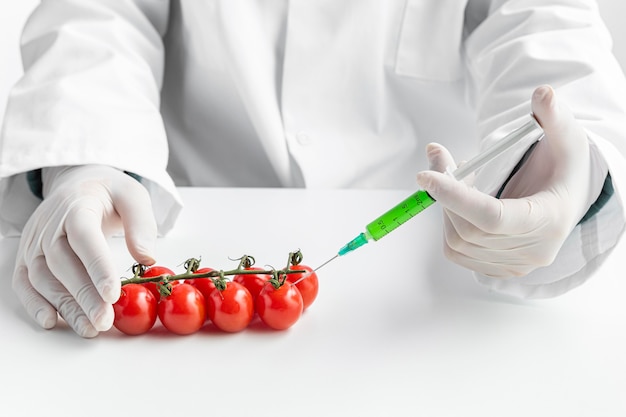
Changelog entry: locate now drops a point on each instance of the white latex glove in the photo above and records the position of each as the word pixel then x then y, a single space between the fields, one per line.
pixel 64 262
pixel 539 207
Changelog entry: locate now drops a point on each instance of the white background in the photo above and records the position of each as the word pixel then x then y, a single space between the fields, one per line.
pixel 13 14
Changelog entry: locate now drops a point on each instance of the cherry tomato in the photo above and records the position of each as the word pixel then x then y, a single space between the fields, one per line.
pixel 135 310
pixel 230 309
pixel 155 271
pixel 279 308
pixel 204 285
pixel 308 287
pixel 183 311
pixel 253 282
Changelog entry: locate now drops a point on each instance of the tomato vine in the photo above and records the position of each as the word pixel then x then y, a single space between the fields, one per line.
pixel 185 301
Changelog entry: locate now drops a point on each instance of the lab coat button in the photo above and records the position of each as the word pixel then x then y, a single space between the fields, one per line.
pixel 303 139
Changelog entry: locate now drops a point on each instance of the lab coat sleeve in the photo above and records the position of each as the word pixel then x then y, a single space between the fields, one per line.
pixel 90 94
pixel 517 46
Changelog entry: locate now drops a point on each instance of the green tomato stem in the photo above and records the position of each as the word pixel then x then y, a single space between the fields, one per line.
pixel 211 274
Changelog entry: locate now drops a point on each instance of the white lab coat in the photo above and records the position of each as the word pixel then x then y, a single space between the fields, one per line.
pixel 302 93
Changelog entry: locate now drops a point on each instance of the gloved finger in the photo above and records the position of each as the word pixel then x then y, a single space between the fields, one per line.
pixel 506 216
pixel 48 286
pixel 459 232
pixel 496 263
pixel 466 232
pixel 490 269
pixel 69 270
pixel 86 240
pixel 132 203
pixel 35 305
pixel 516 254
pixel 562 131
pixel 439 158
pixel 459 198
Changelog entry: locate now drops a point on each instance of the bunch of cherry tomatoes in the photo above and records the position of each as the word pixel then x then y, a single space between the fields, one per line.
pixel 184 303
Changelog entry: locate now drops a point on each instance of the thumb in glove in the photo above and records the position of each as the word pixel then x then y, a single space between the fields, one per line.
pixel 64 263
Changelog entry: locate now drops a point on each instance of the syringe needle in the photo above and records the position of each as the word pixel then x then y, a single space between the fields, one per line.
pixel 325 263
pixel 309 273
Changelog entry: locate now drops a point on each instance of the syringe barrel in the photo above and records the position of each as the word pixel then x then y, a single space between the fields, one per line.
pixel 400 214
pixel 525 135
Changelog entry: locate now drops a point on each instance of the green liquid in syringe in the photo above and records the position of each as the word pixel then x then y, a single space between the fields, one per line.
pixel 400 214
pixel 391 220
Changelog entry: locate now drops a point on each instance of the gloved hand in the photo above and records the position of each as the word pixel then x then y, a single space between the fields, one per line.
pixel 539 206
pixel 64 263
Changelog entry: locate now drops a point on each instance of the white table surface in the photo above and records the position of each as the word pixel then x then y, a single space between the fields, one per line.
pixel 396 329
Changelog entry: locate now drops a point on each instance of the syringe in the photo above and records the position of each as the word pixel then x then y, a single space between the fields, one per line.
pixel 527 134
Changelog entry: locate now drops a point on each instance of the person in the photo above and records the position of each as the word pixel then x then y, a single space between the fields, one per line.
pixel 121 101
